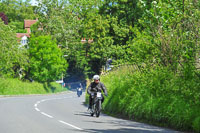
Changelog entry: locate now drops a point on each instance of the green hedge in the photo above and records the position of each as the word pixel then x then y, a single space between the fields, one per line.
pixel 9 86
pixel 156 96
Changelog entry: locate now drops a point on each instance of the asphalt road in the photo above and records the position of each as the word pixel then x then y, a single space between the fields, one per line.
pixel 61 113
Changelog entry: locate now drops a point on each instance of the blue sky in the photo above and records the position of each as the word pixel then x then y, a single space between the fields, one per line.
pixel 33 2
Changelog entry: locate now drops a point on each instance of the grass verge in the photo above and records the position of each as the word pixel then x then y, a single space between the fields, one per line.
pixel 9 86
pixel 156 96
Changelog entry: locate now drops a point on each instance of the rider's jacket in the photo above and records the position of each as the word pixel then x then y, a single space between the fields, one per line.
pixel 93 87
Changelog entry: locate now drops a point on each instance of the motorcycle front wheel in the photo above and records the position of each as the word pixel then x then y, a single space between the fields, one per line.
pixel 98 108
pixel 92 110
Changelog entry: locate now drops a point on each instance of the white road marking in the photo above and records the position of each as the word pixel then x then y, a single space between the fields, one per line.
pixel 38 102
pixel 37 109
pixel 47 115
pixel 70 125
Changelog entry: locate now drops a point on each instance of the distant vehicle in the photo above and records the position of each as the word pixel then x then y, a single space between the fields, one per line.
pixel 59 81
pixel 79 92
pixel 108 66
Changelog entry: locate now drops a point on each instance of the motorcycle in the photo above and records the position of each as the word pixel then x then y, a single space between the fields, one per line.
pixel 96 104
pixel 79 92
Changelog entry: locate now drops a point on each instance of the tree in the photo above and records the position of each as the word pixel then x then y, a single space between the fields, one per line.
pixel 12 58
pixel 46 59
pixel 97 28
pixel 124 14
pixel 58 19
pixel 17 10
pixel 168 36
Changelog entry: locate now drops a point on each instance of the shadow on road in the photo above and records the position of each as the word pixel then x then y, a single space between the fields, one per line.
pixel 122 130
pixel 127 127
pixel 83 114
pixel 122 126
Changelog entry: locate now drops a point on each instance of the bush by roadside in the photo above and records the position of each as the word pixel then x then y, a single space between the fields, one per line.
pixel 156 96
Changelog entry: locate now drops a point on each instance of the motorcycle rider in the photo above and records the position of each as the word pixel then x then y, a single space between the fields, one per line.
pixel 96 86
pixel 79 90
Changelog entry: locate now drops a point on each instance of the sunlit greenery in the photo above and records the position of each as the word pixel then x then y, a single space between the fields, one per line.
pixel 46 60
pixel 10 86
pixel 12 57
pixel 153 95
pixel 160 37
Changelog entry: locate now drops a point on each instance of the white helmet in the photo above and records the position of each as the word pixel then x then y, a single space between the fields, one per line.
pixel 96 77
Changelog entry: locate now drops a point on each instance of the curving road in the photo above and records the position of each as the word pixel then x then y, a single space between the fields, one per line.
pixel 61 113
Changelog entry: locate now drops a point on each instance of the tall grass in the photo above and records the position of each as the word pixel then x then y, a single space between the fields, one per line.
pixel 156 96
pixel 9 86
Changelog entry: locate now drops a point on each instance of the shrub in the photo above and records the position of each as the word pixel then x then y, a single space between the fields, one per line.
pixel 155 95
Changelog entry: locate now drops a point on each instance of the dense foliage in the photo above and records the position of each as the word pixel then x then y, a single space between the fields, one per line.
pixel 164 43
pixel 16 11
pixel 13 58
pixel 46 60
pixel 162 32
